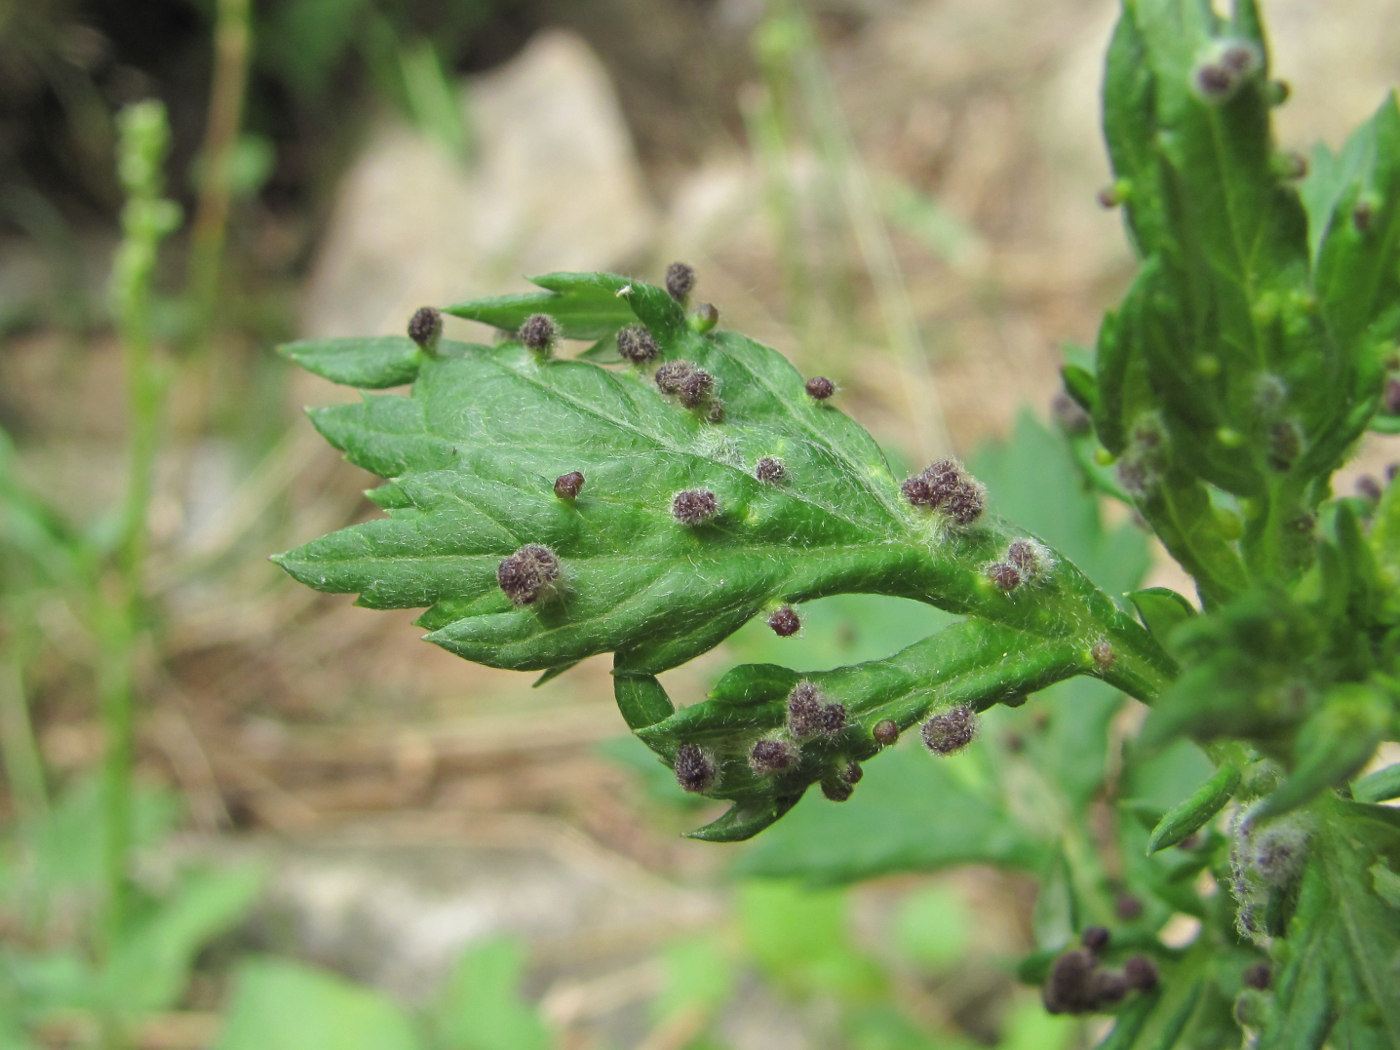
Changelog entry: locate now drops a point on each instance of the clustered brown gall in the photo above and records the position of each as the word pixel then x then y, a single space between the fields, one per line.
pixel 1005 577
pixel 695 770
pixel 1236 61
pixel 1079 985
pixel 568 486
pixel 1030 557
pixel 680 279
pixel 784 621
pixel 694 506
pixel 539 333
pixel 770 757
pixel 671 375
pixel 948 732
pixel 770 471
pixel 696 388
pixel 425 327
pixel 946 487
pixel 819 388
pixel 636 344
pixel 885 732
pixel 809 714
pixel 692 386
pixel 527 573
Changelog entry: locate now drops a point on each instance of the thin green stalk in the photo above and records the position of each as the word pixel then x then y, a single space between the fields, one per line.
pixel 23 763
pixel 232 48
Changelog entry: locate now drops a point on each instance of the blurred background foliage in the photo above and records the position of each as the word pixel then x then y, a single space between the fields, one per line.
pixel 242 815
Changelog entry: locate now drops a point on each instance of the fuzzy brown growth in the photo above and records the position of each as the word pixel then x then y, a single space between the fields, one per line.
pixel 946 487
pixel 886 732
pixel 770 757
pixel 784 622
pixel 1141 973
pixel 1005 577
pixel 425 327
pixel 770 471
pixel 1103 655
pixel 636 344
pixel 1028 557
pixel 694 506
pixel 1095 938
pixel 671 375
pixel 804 709
pixel 680 279
pixel 526 574
pixel 948 732
pixel 1068 988
pixel 568 486
pixel 695 770
pixel 696 388
pixel 538 333
pixel 833 718
pixel 819 388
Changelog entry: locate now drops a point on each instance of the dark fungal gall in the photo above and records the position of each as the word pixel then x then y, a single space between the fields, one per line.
pixel 948 732
pixel 804 709
pixel 527 573
pixel 770 757
pixel 1005 577
pixel 837 790
pixel 695 770
pixel 425 328
pixel 819 388
pixel 852 773
pixel 770 470
pixel 946 487
pixel 671 375
pixel 696 388
pixel 1141 973
pixel 636 344
pixel 694 506
pixel 680 280
pixel 1068 988
pixel 539 332
pixel 833 718
pixel 885 732
pixel 1095 938
pixel 568 486
pixel 1028 556
pixel 784 621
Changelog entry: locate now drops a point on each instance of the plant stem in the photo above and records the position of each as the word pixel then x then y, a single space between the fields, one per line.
pixel 23 762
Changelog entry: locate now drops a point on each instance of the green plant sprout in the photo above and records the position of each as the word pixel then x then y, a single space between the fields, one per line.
pixel 676 481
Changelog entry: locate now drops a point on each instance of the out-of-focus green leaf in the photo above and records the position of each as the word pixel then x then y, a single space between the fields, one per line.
pixel 480 1007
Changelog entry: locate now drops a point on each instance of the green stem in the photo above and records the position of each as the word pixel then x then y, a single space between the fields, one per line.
pixel 23 761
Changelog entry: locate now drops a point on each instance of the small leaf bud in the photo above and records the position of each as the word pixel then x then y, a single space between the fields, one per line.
pixel 568 486
pixel 526 574
pixel 425 328
pixel 819 388
pixel 694 506
pixel 948 732
pixel 886 732
pixel 1141 973
pixel 538 333
pixel 1095 938
pixel 671 375
pixel 1005 577
pixel 704 318
pixel 1290 164
pixel 770 470
pixel 695 770
pixel 680 279
pixel 695 388
pixel 1259 976
pixel 769 757
pixel 1109 197
pixel 1276 92
pixel 784 621
pixel 636 344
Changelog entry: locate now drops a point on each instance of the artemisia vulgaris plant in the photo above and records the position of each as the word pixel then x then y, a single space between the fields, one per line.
pixel 676 480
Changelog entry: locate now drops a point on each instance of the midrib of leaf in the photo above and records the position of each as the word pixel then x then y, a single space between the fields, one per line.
pixel 1244 258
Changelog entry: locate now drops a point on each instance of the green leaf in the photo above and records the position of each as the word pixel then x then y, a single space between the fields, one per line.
pixel 586 305
pixel 1162 610
pixel 480 1008
pixel 279 1005
pixel 474 451
pixel 1192 814
pixel 370 364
